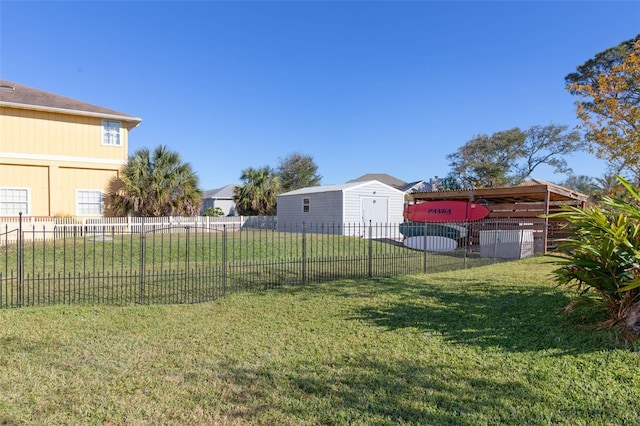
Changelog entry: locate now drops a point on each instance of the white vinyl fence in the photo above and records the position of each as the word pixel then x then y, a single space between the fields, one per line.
pixel 44 228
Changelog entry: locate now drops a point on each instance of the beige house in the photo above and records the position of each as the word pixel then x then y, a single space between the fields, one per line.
pixel 57 155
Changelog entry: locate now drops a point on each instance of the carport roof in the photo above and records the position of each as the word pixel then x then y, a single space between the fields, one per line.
pixel 530 191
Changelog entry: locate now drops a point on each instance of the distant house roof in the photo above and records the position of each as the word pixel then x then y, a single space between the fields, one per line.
pixel 225 192
pixel 394 182
pixel 384 178
pixel 331 188
pixel 419 185
pixel 19 96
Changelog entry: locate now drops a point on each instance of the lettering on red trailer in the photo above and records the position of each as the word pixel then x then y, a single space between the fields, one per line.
pixel 439 211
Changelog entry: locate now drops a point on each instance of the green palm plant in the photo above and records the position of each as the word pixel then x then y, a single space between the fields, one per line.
pixel 608 184
pixel 604 257
pixel 258 194
pixel 156 184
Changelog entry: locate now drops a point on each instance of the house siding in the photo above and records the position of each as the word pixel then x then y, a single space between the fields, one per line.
pixel 54 154
pixel 45 134
pixel 228 207
pixel 53 188
pixel 34 178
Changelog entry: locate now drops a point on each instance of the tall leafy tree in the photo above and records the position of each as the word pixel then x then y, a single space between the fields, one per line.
pixel 509 157
pixel 609 109
pixel 547 145
pixel 485 161
pixel 450 183
pixel 257 195
pixel 298 171
pixel 156 183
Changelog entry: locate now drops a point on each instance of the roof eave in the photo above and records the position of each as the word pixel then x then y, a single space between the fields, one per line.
pixel 128 118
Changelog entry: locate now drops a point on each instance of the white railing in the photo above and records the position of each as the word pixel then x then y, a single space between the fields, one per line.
pixel 43 228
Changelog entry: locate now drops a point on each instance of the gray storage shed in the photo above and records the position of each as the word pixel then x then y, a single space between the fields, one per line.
pixel 342 209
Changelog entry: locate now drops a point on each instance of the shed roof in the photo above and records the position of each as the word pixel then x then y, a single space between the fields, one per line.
pixel 532 190
pixel 334 188
pixel 24 97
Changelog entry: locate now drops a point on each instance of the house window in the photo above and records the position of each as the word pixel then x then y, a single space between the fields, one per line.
pixel 14 201
pixel 88 202
pixel 305 205
pixel 111 133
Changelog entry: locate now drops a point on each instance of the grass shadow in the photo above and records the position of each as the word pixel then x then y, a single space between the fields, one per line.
pixel 513 307
pixel 479 314
pixel 363 390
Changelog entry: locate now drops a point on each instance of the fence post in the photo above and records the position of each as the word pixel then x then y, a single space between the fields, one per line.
pixel 142 250
pixel 188 285
pixel 304 253
pixel 20 288
pixel 370 254
pixel 424 249
pixel 224 260
pixel 466 242
pixel 495 243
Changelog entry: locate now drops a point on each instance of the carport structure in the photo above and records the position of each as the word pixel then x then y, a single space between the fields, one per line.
pixel 526 203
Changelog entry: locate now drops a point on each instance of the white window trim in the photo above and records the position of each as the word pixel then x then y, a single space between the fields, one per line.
pixel 28 212
pixel 104 122
pixel 307 204
pixel 101 202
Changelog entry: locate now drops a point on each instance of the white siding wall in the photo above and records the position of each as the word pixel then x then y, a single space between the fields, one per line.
pixel 227 206
pixel 353 201
pixel 324 208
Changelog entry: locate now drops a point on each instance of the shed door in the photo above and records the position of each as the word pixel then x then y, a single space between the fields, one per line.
pixel 375 210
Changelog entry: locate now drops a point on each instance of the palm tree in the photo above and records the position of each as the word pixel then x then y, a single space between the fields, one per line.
pixel 258 194
pixel 609 185
pixel 156 184
pixel 582 183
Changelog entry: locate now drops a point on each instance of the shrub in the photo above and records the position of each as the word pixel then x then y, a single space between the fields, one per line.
pixel 604 257
pixel 214 212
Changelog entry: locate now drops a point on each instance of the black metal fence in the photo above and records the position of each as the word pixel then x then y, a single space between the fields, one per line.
pixel 191 264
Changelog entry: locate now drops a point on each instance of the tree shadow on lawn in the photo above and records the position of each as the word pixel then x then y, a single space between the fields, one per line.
pixel 366 390
pixel 516 318
pixel 513 318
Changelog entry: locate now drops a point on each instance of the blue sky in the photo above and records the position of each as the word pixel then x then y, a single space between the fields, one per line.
pixel 363 87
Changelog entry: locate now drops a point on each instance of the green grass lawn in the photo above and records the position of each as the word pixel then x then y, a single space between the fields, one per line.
pixel 481 346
